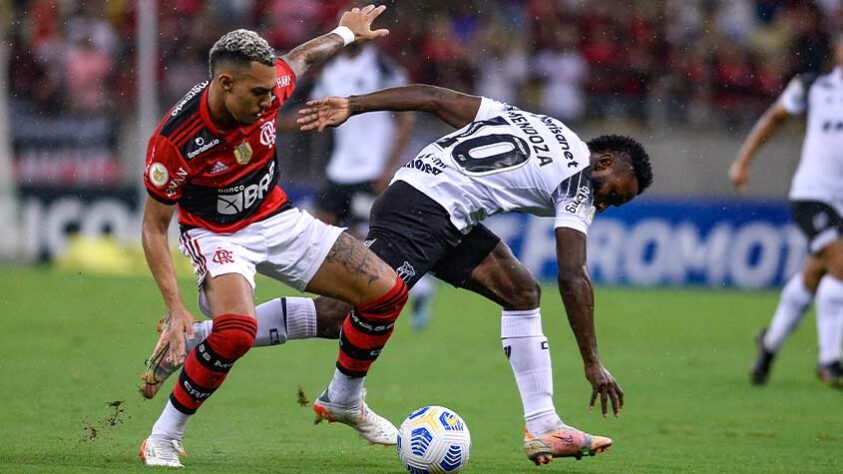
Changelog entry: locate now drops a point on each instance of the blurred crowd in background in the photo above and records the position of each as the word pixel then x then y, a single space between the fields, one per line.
pixel 687 61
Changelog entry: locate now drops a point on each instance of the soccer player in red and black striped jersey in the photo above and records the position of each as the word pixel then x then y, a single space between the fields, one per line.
pixel 212 158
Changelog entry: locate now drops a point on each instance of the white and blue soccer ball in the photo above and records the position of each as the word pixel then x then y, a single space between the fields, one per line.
pixel 434 440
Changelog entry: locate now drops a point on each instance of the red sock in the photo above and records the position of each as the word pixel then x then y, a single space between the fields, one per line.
pixel 366 330
pixel 209 362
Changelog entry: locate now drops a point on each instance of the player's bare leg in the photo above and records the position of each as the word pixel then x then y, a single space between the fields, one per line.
pixel 231 299
pixel 501 278
pixel 353 273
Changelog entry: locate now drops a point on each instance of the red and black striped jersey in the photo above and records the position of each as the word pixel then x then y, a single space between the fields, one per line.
pixel 220 181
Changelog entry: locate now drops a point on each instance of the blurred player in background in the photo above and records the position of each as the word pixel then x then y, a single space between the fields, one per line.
pixel 213 158
pixel 816 196
pixel 367 150
pixel 501 159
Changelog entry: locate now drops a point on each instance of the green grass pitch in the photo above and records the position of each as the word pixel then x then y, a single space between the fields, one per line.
pixel 72 344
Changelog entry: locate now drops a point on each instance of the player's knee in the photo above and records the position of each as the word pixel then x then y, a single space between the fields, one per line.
pixel 526 296
pixel 233 335
pixel 388 306
pixel 239 343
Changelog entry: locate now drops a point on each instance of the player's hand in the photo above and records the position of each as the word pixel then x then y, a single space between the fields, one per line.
pixel 181 325
pixel 359 21
pixel 603 384
pixel 323 113
pixel 739 175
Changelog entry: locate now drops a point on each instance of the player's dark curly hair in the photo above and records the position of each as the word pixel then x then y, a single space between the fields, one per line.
pixel 241 46
pixel 630 147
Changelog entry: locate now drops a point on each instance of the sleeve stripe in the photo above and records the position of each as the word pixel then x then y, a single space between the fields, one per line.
pixel 159 198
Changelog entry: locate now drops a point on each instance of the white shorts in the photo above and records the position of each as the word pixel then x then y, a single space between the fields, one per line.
pixel 288 247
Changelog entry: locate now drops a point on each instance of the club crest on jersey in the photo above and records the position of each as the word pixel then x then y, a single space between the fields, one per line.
pixel 406 271
pixel 243 153
pixel 268 134
pixel 158 174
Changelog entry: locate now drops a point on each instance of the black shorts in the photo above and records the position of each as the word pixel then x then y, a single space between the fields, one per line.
pixel 414 235
pixel 820 223
pixel 336 199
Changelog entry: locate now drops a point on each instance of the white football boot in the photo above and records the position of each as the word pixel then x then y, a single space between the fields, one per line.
pixel 369 425
pixel 161 452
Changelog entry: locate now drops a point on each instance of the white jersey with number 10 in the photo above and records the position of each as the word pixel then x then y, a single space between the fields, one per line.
pixel 507 160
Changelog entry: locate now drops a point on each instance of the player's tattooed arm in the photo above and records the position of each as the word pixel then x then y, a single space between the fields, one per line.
pixel 313 52
pixel 452 107
pixel 578 297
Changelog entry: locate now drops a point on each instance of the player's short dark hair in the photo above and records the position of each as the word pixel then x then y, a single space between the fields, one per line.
pixel 631 148
pixel 241 47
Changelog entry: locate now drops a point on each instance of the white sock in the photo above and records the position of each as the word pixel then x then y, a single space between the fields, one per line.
pixel 170 424
pixel 829 318
pixel 793 305
pixel 282 319
pixel 529 355
pixel 344 390
pixel 279 320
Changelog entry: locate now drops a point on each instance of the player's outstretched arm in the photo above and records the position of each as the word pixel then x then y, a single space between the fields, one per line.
pixel 355 25
pixel 452 107
pixel 761 131
pixel 578 297
pixel 156 221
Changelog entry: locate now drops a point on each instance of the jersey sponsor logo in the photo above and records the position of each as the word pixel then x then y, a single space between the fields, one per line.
pixel 190 94
pixel 218 168
pixel 203 147
pixel 560 139
pixel 178 180
pixel 283 81
pixel 832 125
pixel 268 134
pixel 582 196
pixel 237 199
pixel 434 167
pixel 243 153
pixel 158 174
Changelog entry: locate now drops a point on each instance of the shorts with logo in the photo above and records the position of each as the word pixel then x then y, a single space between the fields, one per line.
pixel 414 235
pixel 819 221
pixel 289 247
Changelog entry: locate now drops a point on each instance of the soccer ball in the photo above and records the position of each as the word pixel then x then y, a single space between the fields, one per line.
pixel 434 440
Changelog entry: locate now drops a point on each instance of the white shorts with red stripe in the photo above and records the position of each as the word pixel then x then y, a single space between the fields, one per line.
pixel 288 247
